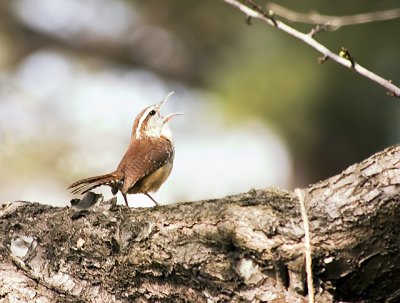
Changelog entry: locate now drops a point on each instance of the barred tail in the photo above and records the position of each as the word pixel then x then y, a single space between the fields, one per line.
pixel 84 185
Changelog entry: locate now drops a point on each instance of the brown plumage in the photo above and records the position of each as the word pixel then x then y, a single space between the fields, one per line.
pixel 147 162
pixel 84 185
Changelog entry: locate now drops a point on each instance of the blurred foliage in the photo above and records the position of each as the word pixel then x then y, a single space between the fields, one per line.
pixel 329 116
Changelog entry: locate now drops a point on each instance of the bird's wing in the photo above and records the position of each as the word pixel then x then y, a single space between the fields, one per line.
pixel 143 158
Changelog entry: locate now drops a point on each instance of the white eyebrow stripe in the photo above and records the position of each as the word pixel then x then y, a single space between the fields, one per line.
pixel 141 120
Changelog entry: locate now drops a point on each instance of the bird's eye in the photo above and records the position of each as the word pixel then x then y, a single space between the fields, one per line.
pixel 152 113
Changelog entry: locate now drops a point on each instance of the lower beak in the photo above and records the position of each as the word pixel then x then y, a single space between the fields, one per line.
pixel 169 117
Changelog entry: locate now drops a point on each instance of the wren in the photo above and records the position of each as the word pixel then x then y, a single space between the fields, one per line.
pixel 147 162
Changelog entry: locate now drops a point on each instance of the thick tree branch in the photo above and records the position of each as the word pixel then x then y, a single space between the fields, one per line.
pixel 256 12
pixel 243 248
pixel 333 21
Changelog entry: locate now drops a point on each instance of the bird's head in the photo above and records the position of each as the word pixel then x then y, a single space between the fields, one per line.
pixel 151 124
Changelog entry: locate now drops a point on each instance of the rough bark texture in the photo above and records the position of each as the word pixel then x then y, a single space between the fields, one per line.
pixel 243 248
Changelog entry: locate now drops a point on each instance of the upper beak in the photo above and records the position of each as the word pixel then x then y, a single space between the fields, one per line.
pixel 165 99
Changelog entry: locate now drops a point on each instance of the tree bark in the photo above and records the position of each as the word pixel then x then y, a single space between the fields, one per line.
pixel 242 248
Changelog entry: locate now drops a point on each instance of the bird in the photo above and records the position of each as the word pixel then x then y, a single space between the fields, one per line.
pixel 147 162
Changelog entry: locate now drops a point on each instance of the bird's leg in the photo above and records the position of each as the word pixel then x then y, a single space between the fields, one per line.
pixel 126 200
pixel 155 202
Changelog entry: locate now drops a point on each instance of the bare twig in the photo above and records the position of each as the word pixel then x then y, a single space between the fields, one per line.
pixel 392 89
pixel 333 21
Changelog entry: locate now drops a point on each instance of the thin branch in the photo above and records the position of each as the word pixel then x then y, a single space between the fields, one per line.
pixel 333 21
pixel 254 12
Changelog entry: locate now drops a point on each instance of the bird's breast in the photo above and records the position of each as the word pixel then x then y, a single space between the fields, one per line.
pixel 154 180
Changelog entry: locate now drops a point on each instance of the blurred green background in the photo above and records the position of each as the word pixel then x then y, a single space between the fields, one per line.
pixel 261 110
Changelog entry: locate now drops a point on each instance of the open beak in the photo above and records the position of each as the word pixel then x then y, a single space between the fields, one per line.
pixel 169 117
